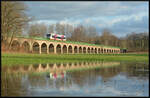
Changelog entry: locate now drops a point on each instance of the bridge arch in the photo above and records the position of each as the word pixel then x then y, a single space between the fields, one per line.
pixel 70 49
pixel 64 48
pixel 36 47
pixel 88 50
pixel 92 50
pixel 107 51
pixel 15 46
pixel 25 46
pixel 95 51
pixel 111 50
pixel 102 50
pixel 75 49
pixel 84 49
pixel 99 50
pixel 80 49
pixel 58 49
pixel 51 48
pixel 44 48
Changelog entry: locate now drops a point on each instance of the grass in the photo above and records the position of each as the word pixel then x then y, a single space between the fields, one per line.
pixel 22 58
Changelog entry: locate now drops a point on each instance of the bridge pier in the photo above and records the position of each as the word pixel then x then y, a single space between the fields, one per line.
pixel 103 50
pixel 31 49
pixel 73 51
pixel 61 50
pixel 77 50
pixel 39 49
pixel 67 50
pixel 97 51
pixel 55 49
pixel 82 50
pixel 86 50
pixel 47 50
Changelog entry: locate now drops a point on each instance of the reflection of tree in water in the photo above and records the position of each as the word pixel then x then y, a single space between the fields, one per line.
pixel 107 73
pixel 5 68
pixel 82 77
pixel 11 85
pixel 139 70
pixel 37 80
pixel 90 76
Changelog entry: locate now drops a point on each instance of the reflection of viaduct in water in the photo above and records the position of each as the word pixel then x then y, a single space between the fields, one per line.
pixel 47 46
pixel 61 66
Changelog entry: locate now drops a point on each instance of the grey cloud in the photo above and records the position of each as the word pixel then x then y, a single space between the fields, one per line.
pixel 124 27
pixel 60 10
pixel 75 11
pixel 131 26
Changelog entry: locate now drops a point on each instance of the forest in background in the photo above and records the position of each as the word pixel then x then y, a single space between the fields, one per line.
pixel 15 21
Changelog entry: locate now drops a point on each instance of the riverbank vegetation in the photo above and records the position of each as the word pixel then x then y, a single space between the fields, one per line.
pixel 13 58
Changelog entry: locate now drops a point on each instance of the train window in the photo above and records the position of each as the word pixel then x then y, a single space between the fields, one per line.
pixel 61 37
pixel 58 37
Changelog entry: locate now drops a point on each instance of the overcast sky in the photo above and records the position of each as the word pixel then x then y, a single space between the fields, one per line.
pixel 119 17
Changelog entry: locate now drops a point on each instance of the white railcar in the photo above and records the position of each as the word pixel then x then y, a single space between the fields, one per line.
pixel 54 36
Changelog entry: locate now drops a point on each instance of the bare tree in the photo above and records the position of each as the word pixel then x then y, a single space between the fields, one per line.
pixel 137 41
pixel 13 20
pixel 60 28
pixel 51 28
pixel 37 30
pixel 79 34
pixel 68 30
pixel 91 34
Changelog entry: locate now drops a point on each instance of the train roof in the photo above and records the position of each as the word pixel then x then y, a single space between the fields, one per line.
pixel 55 33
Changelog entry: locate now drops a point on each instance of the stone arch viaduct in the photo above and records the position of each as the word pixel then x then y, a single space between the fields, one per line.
pixel 58 47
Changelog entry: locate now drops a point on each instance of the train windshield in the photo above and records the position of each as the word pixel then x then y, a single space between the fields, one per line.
pixel 48 35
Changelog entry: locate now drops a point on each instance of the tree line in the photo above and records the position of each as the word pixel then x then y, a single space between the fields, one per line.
pixel 14 20
pixel 131 42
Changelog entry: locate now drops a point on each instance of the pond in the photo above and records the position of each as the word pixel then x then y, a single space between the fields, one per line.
pixel 76 79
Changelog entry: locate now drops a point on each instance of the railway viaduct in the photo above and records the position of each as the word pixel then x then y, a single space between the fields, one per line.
pixel 58 47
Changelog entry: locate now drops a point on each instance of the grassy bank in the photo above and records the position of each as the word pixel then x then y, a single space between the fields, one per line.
pixel 13 58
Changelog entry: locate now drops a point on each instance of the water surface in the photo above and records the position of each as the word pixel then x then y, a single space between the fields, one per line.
pixel 76 79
